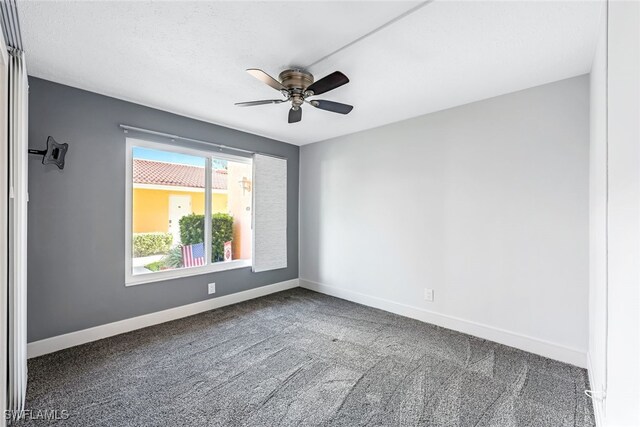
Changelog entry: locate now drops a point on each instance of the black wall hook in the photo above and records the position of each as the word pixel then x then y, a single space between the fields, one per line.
pixel 54 154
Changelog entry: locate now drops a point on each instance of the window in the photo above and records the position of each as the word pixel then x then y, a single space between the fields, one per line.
pixel 188 211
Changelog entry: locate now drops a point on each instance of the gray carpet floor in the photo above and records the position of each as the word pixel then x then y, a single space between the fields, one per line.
pixel 299 358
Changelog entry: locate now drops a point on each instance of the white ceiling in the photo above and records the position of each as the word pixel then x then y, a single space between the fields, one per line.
pixel 189 58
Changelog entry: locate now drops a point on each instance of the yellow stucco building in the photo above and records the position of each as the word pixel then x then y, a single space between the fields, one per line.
pixel 151 207
pixel 164 192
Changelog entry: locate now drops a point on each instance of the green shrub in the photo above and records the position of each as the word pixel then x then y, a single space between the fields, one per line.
pixel 221 232
pixel 145 244
pixel 192 231
pixel 173 259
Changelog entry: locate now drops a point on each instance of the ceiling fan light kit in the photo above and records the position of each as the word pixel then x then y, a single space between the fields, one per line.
pixel 297 86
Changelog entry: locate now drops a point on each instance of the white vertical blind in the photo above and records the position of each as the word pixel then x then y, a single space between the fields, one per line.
pixel 17 295
pixel 4 219
pixel 269 213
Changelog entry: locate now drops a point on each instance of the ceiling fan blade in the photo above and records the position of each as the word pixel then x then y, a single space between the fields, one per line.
pixel 266 78
pixel 334 107
pixel 264 102
pixel 295 115
pixel 327 83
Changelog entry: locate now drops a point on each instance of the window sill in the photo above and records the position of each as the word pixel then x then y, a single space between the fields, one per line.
pixel 186 272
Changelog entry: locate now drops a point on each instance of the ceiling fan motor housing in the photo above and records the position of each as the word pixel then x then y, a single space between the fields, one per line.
pixel 296 81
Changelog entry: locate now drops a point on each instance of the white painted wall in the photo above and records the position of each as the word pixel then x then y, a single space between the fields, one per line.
pixel 486 203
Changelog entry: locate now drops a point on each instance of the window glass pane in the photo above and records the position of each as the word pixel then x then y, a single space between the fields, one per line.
pixel 168 202
pixel 231 210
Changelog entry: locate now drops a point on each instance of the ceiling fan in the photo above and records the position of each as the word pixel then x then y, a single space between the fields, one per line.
pixel 297 86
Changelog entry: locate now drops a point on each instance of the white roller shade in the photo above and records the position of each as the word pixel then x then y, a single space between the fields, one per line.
pixel 269 213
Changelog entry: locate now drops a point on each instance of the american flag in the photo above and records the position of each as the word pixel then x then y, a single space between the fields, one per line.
pixel 193 255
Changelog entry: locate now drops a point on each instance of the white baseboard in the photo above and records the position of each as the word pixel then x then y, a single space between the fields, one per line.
pixel 598 405
pixel 49 345
pixel 513 339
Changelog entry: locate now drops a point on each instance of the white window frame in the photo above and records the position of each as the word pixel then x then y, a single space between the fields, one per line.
pixel 209 267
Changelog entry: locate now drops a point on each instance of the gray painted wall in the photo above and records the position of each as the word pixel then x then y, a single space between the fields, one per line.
pixel 76 216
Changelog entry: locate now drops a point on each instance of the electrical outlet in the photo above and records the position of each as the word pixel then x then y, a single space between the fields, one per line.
pixel 212 288
pixel 428 295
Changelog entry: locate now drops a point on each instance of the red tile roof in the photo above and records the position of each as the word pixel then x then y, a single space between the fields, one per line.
pixel 162 173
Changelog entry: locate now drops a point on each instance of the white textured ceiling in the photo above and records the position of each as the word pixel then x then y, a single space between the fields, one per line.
pixel 190 57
